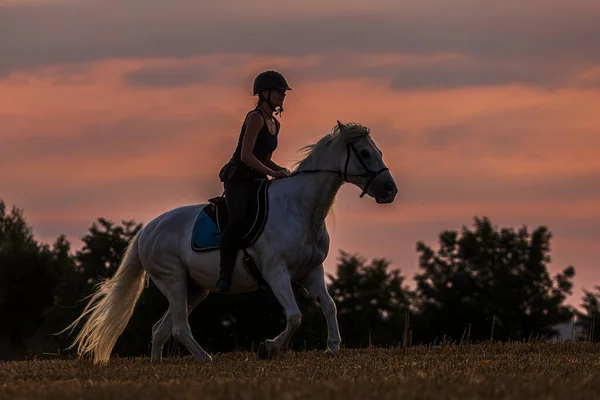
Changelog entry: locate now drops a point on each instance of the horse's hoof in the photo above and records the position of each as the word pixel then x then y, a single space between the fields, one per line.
pixel 332 349
pixel 264 352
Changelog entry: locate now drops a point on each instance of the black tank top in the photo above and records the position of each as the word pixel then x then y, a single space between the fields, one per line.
pixel 265 145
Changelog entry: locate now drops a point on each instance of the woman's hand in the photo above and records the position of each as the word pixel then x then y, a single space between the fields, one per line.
pixel 282 173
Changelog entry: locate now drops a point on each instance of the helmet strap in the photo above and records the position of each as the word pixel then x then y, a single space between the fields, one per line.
pixel 276 110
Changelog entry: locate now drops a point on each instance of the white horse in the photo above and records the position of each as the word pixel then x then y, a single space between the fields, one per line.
pixel 292 246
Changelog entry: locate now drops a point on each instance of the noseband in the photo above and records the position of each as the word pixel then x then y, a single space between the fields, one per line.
pixel 369 173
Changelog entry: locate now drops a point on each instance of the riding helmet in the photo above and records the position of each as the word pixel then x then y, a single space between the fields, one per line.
pixel 270 80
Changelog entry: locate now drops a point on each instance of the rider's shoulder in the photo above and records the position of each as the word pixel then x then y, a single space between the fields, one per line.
pixel 254 117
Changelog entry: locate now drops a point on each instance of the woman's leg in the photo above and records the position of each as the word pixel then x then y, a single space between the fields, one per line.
pixel 237 197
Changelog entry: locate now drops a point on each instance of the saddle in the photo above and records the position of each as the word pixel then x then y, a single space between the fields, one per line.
pixel 213 218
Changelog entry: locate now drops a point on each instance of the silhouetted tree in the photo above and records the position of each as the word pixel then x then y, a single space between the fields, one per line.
pixel 371 301
pixel 66 298
pixel 490 277
pixel 103 249
pixel 30 279
pixel 589 316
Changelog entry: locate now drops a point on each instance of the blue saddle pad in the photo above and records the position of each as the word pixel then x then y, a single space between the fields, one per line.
pixel 214 216
pixel 205 233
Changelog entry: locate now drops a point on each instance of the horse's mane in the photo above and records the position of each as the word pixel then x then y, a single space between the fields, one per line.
pixel 339 135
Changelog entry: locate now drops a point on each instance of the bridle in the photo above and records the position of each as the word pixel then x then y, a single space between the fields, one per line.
pixel 369 173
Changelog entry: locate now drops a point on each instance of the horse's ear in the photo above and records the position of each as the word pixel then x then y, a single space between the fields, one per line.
pixel 340 125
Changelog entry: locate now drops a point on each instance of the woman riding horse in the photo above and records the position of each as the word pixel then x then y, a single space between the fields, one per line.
pixel 251 160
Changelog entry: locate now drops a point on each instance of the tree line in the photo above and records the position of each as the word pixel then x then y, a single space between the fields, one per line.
pixel 481 283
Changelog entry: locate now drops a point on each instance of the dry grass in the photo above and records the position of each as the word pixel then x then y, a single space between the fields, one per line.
pixel 491 371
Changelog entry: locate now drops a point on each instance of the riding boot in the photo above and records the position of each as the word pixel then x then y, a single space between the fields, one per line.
pixel 229 250
pixel 224 281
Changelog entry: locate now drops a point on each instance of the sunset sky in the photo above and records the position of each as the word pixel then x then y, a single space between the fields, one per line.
pixel 125 109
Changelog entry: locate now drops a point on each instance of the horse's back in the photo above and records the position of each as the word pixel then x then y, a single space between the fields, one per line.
pixel 171 228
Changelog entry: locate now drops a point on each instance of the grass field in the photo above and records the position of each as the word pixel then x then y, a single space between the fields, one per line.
pixel 490 371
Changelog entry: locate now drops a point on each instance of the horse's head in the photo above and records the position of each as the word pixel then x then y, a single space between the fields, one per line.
pixel 350 152
pixel 362 164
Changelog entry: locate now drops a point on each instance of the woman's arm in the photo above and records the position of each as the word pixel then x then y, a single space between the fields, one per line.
pixel 271 164
pixel 254 123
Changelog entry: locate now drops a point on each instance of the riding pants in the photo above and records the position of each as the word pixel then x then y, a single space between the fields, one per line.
pixel 237 196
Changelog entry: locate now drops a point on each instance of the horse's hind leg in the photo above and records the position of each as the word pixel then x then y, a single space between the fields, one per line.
pixel 172 282
pixel 162 329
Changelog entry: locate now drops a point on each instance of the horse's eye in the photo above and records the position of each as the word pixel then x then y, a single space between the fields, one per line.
pixel 365 154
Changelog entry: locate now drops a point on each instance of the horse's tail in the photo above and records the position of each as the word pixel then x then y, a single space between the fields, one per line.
pixel 110 307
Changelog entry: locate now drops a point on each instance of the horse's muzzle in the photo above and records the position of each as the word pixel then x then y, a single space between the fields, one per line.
pixel 383 188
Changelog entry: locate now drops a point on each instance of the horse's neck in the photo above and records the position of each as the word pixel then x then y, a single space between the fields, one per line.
pixel 311 196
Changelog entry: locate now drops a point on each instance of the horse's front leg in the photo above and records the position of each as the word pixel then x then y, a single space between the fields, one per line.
pixel 314 283
pixel 280 282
